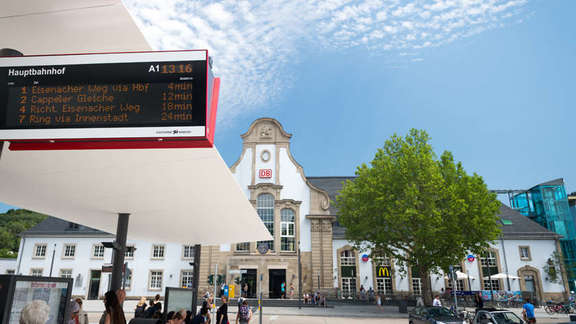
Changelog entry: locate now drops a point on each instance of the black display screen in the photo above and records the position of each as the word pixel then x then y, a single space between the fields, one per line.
pixel 105 95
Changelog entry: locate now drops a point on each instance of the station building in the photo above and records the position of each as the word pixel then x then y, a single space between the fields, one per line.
pixel 299 213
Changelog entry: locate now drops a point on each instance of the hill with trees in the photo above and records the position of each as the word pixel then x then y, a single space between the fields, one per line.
pixel 12 223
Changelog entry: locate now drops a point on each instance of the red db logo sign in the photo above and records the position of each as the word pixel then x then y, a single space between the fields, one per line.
pixel 265 173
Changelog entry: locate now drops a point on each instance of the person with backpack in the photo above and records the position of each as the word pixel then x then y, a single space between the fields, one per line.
pixel 244 314
pixel 202 317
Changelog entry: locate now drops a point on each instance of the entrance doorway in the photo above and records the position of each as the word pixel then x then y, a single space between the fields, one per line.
pixel 248 283
pixel 94 284
pixel 276 277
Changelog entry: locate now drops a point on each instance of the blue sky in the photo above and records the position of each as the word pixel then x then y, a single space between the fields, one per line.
pixel 491 81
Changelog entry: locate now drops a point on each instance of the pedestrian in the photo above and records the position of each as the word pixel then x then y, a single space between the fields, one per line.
pixel 437 302
pixel 74 310
pixel 379 301
pixel 157 298
pixel 478 301
pixel 140 310
pixel 113 313
pixel 222 313
pixel 291 290
pixel 37 312
pixel 177 318
pixel 82 316
pixel 245 289
pixel 419 301
pixel 528 312
pixel 283 290
pixel 150 310
pixel 244 314
pixel 206 305
pixel 202 317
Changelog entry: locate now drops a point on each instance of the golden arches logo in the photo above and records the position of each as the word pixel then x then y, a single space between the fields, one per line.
pixel 383 272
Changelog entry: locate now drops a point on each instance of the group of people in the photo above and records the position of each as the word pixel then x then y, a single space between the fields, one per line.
pixel 152 310
pixel 315 298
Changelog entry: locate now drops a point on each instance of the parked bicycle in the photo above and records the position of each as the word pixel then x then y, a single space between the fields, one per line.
pixel 558 308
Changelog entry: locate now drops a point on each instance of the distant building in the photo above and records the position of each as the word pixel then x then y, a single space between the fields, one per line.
pixel 298 212
pixel 547 204
pixel 7 266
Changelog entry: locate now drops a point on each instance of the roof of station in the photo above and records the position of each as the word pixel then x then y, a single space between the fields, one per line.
pixel 514 224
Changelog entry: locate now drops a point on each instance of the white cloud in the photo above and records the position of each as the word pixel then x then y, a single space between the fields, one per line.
pixel 253 42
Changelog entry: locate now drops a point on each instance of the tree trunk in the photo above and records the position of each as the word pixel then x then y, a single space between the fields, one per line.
pixel 426 287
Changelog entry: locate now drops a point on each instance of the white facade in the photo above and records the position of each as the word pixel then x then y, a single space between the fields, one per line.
pixel 7 266
pixel 84 265
pixel 508 260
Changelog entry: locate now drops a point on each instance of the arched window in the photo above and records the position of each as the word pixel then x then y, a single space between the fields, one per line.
pixel 348 273
pixel 265 209
pixel 287 227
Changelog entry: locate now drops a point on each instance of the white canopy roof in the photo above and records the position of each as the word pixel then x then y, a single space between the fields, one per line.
pixel 68 26
pixel 501 276
pixel 173 195
pixel 461 276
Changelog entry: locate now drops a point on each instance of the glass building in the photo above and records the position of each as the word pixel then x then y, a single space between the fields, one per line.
pixel 547 204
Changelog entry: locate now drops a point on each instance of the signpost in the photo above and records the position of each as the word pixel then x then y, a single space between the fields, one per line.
pixel 118 100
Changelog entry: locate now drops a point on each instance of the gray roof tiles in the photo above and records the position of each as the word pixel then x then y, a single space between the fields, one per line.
pixel 521 228
pixel 56 226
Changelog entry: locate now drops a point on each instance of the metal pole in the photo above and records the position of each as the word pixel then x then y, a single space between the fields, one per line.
pixel 215 287
pixel 469 283
pixel 52 263
pixel 195 281
pixel 454 286
pixel 260 298
pixel 299 278
pixel 505 261
pixel 491 286
pixel 119 251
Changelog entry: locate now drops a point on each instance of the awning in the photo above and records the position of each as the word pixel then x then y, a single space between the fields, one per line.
pixel 501 276
pixel 68 26
pixel 461 276
pixel 173 195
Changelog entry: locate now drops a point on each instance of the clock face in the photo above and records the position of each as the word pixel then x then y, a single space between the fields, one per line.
pixel 262 248
pixel 265 156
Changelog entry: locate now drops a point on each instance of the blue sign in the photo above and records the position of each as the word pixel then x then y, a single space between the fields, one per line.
pixel 226 290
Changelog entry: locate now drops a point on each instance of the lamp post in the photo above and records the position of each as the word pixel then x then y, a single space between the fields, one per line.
pixel 299 277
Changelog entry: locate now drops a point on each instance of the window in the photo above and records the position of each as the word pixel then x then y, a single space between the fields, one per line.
pixel 186 278
pixel 348 273
pixel 40 250
pixel 98 251
pixel 265 209
pixel 36 272
pixel 155 280
pixel 188 252
pixel 128 279
pixel 416 283
pixel 489 266
pixel 10 271
pixel 69 251
pixel 384 286
pixel 65 273
pixel 525 253
pixel 157 251
pixel 243 247
pixel 129 253
pixel 287 227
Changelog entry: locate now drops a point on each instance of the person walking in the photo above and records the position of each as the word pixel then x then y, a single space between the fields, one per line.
pixel 436 302
pixel 528 312
pixel 291 290
pixel 244 314
pixel 379 301
pixel 74 310
pixel 222 313
pixel 113 313
pixel 283 290
pixel 82 316
pixel 206 305
pixel 478 301
pixel 140 310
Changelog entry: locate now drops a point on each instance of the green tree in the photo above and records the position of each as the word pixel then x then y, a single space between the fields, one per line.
pixel 12 223
pixel 424 212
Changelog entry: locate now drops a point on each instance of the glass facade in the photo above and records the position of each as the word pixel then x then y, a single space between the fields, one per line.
pixel 547 204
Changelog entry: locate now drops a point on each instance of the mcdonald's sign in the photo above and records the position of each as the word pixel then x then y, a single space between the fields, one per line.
pixel 383 272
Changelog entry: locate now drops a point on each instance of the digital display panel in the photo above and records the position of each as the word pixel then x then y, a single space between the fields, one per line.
pixel 125 95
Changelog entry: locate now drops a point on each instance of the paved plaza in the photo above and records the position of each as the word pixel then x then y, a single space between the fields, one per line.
pixel 313 315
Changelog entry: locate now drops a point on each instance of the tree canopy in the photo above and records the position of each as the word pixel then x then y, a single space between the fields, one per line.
pixel 424 212
pixel 12 223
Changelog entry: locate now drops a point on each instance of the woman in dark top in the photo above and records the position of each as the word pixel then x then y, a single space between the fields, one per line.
pixel 222 313
pixel 114 313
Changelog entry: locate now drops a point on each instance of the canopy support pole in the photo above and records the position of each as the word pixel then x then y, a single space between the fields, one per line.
pixel 119 251
pixel 195 275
